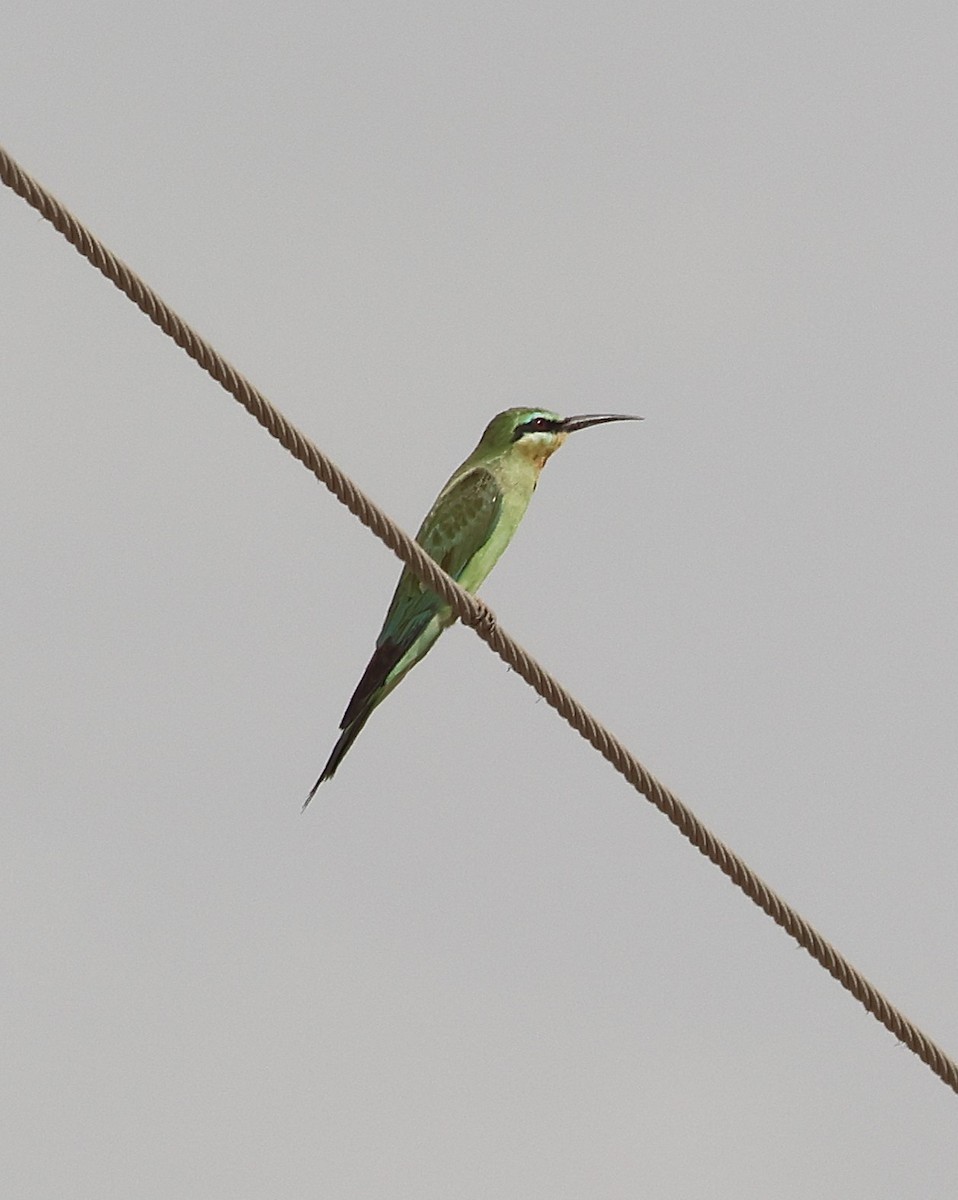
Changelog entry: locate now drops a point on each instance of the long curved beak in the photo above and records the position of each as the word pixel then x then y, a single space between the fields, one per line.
pixel 571 424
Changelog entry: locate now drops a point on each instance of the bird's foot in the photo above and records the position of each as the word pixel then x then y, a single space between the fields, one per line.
pixel 484 621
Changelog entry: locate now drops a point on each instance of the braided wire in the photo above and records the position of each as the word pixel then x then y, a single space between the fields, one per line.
pixel 475 613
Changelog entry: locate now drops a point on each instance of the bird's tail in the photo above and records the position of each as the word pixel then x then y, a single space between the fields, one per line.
pixel 346 739
pixel 390 664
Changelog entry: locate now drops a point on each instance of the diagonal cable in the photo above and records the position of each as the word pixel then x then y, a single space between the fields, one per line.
pixel 475 613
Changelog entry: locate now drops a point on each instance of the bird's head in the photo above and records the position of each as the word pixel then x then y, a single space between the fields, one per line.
pixel 536 433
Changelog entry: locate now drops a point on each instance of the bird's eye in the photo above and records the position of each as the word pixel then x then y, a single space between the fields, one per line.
pixel 538 425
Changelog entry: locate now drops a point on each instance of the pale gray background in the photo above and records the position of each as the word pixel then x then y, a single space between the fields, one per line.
pixel 480 966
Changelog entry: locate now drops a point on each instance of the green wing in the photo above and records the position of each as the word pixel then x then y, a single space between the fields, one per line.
pixel 455 530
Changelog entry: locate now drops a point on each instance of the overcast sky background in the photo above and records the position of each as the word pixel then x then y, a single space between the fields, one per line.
pixel 479 965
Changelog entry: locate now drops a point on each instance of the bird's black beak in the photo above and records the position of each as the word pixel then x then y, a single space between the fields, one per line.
pixel 571 424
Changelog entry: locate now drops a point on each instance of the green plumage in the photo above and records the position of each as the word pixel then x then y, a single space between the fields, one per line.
pixel 466 530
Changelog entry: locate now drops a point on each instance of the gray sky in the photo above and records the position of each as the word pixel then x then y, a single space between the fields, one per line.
pixel 479 965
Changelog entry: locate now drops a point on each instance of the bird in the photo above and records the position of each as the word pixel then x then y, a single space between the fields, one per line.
pixel 468 527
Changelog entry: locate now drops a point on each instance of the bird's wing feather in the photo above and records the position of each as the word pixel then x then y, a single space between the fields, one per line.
pixel 462 521
pixel 456 528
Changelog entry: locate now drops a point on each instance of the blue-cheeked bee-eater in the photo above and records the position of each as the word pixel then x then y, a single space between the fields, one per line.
pixel 466 530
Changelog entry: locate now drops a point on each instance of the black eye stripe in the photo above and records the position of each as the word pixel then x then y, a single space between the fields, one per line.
pixel 536 425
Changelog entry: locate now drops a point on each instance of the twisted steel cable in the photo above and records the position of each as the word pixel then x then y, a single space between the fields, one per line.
pixel 475 613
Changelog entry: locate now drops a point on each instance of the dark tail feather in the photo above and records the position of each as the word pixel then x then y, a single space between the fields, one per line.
pixel 369 692
pixel 346 739
pixel 377 671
